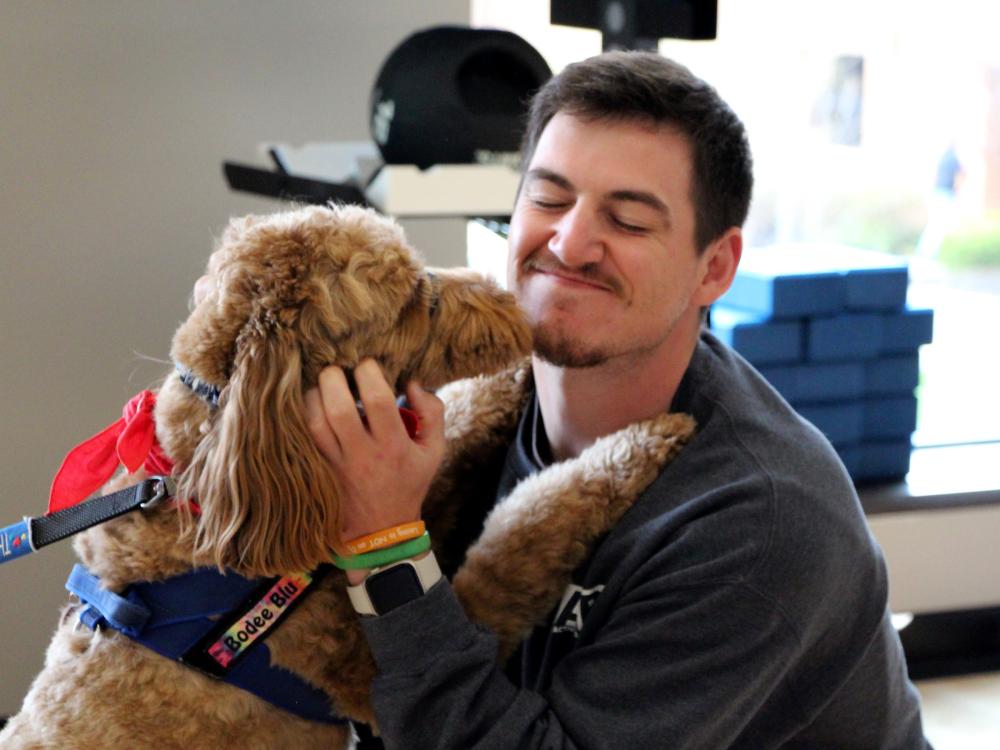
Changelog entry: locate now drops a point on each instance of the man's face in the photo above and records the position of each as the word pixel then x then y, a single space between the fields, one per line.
pixel 602 252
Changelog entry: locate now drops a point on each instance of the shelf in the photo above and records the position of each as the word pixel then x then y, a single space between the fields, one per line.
pixel 940 529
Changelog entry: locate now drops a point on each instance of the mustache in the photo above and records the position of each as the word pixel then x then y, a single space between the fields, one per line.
pixel 589 272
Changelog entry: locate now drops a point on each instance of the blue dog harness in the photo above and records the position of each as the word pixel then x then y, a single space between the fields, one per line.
pixel 214 623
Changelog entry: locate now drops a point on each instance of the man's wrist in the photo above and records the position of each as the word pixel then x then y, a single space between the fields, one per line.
pixel 366 527
pixel 395 584
pixel 354 577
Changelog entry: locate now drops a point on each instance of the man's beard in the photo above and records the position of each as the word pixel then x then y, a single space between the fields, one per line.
pixel 554 346
pixel 550 344
pixel 561 351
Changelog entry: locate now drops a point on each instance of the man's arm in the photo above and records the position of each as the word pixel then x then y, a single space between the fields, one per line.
pixel 673 661
pixel 439 685
pixel 698 667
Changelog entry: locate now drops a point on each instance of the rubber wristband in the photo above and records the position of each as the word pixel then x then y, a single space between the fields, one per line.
pixel 385 556
pixel 387 537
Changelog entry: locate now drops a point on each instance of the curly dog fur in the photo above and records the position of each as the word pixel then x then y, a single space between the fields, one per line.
pixel 287 295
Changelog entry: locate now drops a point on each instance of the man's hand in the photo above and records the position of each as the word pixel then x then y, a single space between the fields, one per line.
pixel 383 475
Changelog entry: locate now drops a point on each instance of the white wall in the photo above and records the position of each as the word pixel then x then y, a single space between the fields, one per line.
pixel 115 117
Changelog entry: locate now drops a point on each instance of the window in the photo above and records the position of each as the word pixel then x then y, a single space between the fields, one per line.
pixel 876 124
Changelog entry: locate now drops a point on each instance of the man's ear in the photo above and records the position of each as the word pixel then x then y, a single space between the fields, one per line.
pixel 717 266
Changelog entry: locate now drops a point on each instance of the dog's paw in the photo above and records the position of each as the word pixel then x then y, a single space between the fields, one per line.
pixel 629 460
pixel 539 534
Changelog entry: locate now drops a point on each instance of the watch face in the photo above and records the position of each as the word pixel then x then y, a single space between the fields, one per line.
pixel 393 587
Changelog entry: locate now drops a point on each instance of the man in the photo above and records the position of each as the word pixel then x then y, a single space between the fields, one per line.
pixel 942 205
pixel 741 602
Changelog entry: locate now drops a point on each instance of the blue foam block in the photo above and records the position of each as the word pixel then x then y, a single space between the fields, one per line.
pixel 850 455
pixel 904 331
pixel 894 375
pixel 894 417
pixel 785 282
pixel 876 289
pixel 874 281
pixel 885 459
pixel 759 340
pixel 842 423
pixel 809 383
pixel 851 336
pixel 880 460
pixel 801 280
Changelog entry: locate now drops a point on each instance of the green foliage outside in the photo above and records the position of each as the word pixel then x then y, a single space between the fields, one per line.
pixel 876 220
pixel 975 244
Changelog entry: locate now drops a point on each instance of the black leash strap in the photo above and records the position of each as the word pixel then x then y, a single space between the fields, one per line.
pixel 31 534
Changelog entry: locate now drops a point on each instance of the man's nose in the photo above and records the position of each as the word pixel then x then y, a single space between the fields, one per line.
pixel 576 240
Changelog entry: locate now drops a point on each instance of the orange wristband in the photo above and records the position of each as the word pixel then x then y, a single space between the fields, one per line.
pixel 387 537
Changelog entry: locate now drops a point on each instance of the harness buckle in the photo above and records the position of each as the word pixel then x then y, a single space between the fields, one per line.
pixel 164 488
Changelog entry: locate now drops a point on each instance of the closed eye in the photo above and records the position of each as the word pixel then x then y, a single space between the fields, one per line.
pixel 547 204
pixel 634 228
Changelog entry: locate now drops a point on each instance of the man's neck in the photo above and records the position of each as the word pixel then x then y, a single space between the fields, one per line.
pixel 581 405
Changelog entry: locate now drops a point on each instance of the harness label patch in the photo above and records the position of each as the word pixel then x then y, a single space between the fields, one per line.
pixel 573 608
pixel 15 541
pixel 255 623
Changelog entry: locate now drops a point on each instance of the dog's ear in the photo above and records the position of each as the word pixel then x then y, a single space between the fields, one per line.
pixel 476 328
pixel 268 500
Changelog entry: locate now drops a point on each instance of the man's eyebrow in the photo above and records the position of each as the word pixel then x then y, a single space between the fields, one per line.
pixel 540 173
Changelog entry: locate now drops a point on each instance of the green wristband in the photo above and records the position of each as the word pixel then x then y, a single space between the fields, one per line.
pixel 378 558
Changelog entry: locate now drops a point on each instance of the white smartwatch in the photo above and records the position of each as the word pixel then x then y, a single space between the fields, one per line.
pixel 393 585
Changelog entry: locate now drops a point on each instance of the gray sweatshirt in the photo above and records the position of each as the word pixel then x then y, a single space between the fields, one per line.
pixel 740 603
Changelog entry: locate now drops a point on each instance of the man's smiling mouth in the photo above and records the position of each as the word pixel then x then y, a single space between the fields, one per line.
pixel 564 276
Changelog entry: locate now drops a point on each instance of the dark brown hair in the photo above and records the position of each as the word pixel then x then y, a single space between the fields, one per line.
pixel 648 88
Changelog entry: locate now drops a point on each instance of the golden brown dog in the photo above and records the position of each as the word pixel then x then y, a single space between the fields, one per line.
pixel 284 296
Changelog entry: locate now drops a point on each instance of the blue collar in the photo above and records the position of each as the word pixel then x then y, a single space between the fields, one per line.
pixel 184 617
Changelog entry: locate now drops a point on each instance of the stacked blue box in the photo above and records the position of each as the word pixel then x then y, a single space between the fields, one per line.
pixel 830 329
pixel 761 340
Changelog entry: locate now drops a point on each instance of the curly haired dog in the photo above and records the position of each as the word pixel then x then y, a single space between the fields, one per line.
pixel 284 296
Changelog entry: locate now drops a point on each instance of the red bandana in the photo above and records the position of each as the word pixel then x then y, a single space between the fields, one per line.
pixel 411 421
pixel 131 442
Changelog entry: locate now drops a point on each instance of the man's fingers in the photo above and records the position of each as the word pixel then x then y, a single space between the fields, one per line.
pixel 429 409
pixel 339 408
pixel 343 424
pixel 382 475
pixel 326 441
pixel 378 399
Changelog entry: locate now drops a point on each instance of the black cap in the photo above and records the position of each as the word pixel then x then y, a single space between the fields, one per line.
pixel 448 92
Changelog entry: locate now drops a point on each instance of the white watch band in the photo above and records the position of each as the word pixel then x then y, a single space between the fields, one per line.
pixel 427 570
